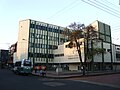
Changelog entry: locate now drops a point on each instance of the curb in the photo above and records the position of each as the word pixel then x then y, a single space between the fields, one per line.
pixel 75 76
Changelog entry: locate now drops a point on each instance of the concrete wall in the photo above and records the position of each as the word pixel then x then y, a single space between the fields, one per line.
pixel 97 57
pixel 23 36
pixel 107 55
pixel 115 50
pixel 15 57
pixel 95 25
pixel 70 54
pixel 116 67
pixel 73 67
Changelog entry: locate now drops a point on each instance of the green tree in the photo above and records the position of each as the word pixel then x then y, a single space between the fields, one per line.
pixel 76 31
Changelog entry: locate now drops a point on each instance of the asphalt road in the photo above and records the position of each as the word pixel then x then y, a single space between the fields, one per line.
pixel 108 79
pixel 10 81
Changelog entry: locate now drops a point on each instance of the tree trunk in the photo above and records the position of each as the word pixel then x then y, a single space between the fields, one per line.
pixel 80 57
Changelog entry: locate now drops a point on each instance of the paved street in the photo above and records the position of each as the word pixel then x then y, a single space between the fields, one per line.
pixel 112 80
pixel 10 81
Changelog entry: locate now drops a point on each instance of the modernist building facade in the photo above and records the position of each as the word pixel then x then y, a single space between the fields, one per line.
pixel 104 35
pixel 69 56
pixel 37 40
pixel 44 43
pixel 116 56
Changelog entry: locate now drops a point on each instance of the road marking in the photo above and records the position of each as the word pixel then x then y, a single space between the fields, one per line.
pixel 45 79
pixel 97 83
pixel 53 84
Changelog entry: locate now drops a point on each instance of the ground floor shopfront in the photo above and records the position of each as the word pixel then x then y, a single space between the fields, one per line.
pixel 96 66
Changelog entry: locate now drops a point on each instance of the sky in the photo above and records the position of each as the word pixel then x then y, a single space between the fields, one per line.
pixel 57 12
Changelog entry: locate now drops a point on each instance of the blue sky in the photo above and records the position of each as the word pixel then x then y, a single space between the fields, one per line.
pixel 57 12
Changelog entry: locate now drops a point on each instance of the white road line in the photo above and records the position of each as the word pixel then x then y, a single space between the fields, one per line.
pixel 53 84
pixel 97 83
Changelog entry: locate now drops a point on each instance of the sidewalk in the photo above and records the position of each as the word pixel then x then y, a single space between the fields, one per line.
pixel 72 74
pixel 104 78
pixel 112 80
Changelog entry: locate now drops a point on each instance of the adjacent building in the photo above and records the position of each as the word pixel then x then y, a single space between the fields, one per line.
pixel 37 40
pixel 116 56
pixel 104 35
pixel 102 61
pixel 12 50
pixel 4 57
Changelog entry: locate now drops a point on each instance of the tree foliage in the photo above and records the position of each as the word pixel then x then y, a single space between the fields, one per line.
pixel 94 51
pixel 76 31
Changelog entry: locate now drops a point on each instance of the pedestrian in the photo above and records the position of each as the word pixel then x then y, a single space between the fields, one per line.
pixel 41 72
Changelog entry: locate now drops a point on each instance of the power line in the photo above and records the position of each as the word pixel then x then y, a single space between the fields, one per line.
pixel 111 9
pixel 63 9
pixel 115 25
pixel 4 43
pixel 104 8
pixel 118 29
pixel 106 1
pixel 101 8
pixel 73 6
pixel 96 4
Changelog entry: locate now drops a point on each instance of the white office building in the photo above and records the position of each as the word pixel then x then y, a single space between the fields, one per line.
pixel 37 40
pixel 116 56
pixel 69 56
pixel 44 43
